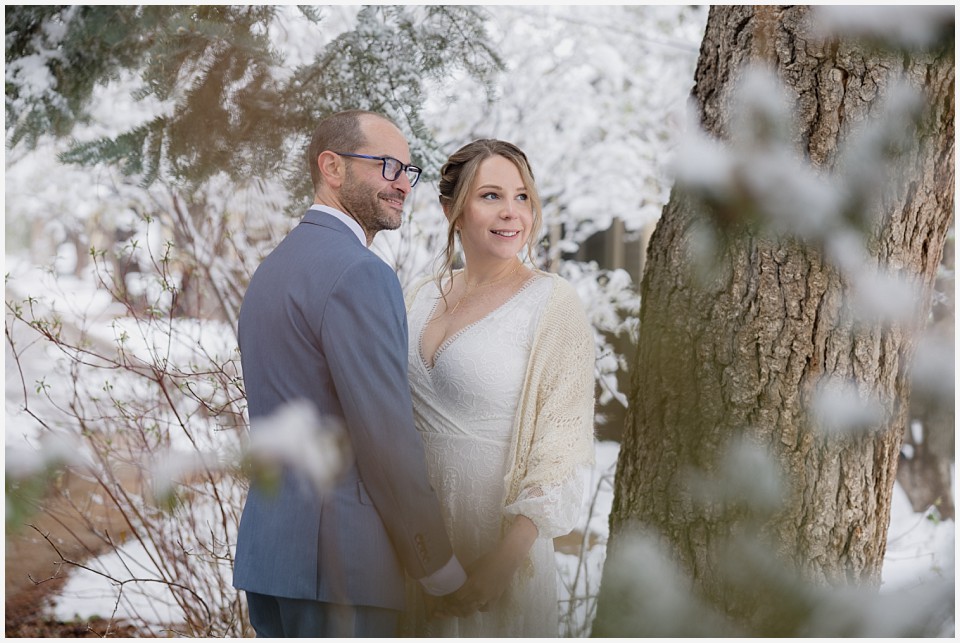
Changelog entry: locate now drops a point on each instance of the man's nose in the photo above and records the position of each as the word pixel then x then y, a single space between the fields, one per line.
pixel 402 183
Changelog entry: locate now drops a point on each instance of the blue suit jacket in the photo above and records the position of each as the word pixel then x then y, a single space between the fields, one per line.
pixel 323 320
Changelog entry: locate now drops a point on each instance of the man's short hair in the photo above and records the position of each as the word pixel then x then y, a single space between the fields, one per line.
pixel 339 132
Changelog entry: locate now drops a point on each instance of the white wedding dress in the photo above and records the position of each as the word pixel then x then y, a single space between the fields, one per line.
pixel 465 407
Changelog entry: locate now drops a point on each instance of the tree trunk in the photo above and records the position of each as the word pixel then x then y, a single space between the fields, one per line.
pixel 737 357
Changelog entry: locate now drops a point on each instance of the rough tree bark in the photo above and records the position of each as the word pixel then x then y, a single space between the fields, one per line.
pixel 739 355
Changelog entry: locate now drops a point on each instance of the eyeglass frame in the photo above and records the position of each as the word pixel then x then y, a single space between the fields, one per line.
pixel 383 168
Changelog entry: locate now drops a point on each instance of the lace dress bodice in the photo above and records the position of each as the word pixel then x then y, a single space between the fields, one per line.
pixel 465 408
pixel 477 374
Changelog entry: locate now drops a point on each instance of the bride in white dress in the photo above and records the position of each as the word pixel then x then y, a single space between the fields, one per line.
pixel 501 369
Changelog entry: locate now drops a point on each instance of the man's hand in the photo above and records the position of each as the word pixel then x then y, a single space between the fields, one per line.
pixel 433 606
pixel 490 575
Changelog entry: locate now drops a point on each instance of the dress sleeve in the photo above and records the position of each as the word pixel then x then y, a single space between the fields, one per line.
pixel 555 510
pixel 556 434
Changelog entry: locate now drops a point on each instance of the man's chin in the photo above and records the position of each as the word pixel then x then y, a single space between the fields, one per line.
pixel 391 220
pixel 384 224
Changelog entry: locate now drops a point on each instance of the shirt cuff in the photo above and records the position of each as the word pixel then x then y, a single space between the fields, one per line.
pixel 445 580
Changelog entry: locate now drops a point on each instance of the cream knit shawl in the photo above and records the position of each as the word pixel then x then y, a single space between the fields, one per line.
pixel 553 429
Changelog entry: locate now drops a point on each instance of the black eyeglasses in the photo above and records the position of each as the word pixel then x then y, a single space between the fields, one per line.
pixel 392 168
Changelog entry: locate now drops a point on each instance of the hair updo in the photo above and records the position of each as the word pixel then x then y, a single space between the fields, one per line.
pixel 457 177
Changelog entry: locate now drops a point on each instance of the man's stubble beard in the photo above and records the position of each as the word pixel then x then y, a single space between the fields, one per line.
pixel 363 204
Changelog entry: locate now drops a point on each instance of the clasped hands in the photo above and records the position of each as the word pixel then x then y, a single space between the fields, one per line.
pixel 487 579
pixel 488 576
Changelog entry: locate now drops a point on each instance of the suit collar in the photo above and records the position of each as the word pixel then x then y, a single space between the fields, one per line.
pixel 326 216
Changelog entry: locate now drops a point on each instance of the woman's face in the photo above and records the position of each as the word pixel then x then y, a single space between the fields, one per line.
pixel 497 215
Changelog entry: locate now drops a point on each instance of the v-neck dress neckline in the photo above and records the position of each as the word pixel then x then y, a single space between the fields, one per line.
pixel 432 364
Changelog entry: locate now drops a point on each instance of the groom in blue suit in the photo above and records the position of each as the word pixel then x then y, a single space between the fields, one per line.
pixel 323 320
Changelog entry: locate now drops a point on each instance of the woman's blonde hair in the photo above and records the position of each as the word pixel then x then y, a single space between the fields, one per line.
pixel 457 177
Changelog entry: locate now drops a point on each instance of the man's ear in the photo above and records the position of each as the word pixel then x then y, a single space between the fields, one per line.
pixel 332 168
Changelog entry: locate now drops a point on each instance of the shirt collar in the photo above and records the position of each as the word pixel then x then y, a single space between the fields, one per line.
pixel 350 223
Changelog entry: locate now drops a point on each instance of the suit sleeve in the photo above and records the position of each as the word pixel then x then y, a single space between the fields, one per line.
pixel 364 333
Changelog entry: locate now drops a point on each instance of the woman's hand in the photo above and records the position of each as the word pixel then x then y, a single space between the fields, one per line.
pixel 490 575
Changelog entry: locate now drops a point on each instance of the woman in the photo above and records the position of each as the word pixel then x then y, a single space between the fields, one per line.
pixel 501 370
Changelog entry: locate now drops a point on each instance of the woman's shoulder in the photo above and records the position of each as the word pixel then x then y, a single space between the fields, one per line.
pixel 564 327
pixel 426 287
pixel 562 291
pixel 568 305
pixel 419 287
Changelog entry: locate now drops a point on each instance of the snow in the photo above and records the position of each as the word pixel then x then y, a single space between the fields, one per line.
pixel 88 594
pixel 297 437
pixel 920 546
pixel 907 25
pixel 840 407
pixel 920 550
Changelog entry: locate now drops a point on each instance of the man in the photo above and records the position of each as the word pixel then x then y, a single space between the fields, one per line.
pixel 323 320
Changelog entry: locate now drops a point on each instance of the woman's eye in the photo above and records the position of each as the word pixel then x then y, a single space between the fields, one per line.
pixel 490 196
pixel 522 197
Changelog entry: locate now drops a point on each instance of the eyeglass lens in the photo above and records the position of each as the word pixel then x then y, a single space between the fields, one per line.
pixel 392 169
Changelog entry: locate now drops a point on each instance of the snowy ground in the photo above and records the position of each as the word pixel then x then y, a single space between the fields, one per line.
pixel 919 549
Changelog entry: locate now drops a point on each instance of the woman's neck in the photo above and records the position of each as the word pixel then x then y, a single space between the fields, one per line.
pixel 478 273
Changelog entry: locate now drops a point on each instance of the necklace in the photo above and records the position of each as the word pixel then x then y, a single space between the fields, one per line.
pixel 466 289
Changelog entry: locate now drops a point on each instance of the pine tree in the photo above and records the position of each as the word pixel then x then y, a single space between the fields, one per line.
pixel 231 106
pixel 234 118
